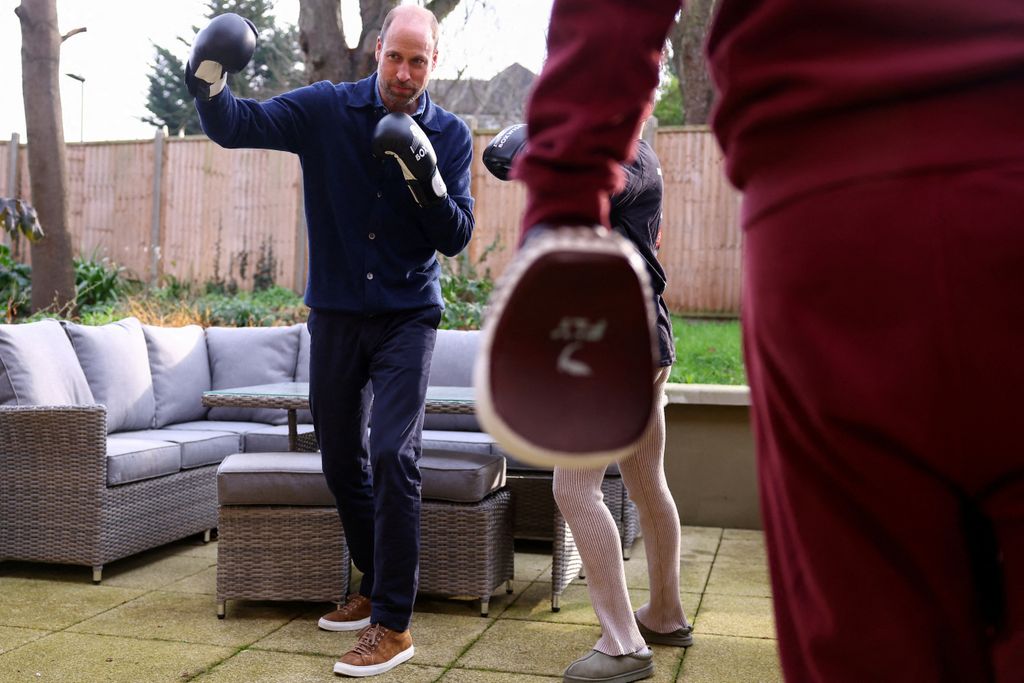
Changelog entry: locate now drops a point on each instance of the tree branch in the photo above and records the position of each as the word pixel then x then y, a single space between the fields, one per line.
pixel 442 8
pixel 72 32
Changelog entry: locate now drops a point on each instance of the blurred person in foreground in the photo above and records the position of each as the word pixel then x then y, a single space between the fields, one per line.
pixel 880 151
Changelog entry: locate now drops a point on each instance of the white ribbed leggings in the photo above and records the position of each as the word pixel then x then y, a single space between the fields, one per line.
pixel 579 498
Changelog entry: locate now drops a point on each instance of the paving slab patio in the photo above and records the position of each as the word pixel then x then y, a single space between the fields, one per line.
pixel 153 619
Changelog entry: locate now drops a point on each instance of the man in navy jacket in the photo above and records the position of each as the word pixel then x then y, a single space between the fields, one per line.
pixel 373 291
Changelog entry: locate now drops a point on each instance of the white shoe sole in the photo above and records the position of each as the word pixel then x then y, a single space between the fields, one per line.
pixel 375 669
pixel 343 625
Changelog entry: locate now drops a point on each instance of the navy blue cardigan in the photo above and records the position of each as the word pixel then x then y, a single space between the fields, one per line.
pixel 372 249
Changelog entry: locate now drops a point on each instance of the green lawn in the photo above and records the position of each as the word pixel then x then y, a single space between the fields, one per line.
pixel 707 352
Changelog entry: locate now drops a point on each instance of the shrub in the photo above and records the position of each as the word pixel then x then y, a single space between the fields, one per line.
pixel 465 293
pixel 15 284
pixel 99 283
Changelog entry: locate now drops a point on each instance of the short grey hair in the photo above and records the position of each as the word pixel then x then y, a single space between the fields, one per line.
pixel 435 29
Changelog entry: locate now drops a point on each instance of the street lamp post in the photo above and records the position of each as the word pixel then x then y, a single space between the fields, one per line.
pixel 81 106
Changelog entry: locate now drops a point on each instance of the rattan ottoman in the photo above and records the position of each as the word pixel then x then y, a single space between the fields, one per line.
pixel 280 537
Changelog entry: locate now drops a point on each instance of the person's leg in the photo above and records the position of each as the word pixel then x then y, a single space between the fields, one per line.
pixel 399 371
pixel 578 496
pixel 338 372
pixel 860 307
pixel 644 476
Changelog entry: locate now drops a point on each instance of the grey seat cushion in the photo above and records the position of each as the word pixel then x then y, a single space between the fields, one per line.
pixel 460 477
pixel 198 448
pixel 452 366
pixel 38 367
pixel 180 366
pixel 237 427
pixel 481 443
pixel 246 356
pixel 272 438
pixel 131 460
pixel 273 479
pixel 116 364
pixel 297 478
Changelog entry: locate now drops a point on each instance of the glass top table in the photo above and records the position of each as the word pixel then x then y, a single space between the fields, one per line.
pixel 294 396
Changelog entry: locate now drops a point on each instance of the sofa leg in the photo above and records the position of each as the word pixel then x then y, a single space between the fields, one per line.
pixel 554 603
pixel 626 552
pixel 508 586
pixel 221 608
pixel 485 604
pixel 207 535
pixel 97 573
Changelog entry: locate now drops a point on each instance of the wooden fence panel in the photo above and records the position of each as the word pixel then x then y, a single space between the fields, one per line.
pixel 498 211
pixel 110 201
pixel 222 210
pixel 701 235
pixel 225 209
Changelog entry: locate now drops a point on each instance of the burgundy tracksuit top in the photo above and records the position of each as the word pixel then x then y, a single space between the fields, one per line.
pixel 879 146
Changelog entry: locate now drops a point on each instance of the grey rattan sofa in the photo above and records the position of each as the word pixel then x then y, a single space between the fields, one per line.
pixel 105 447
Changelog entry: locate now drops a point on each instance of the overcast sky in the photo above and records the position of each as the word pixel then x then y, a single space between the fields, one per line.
pixel 116 53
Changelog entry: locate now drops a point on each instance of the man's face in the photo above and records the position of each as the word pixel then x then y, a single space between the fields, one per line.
pixel 405 59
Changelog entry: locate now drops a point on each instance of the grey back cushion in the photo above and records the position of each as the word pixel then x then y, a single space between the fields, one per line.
pixel 116 364
pixel 180 366
pixel 244 356
pixel 452 366
pixel 302 368
pixel 38 367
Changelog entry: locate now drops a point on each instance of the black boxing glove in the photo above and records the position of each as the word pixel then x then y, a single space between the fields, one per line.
pixel 224 47
pixel 399 136
pixel 502 151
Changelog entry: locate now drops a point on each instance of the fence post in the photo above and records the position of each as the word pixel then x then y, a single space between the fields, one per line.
pixel 154 226
pixel 12 179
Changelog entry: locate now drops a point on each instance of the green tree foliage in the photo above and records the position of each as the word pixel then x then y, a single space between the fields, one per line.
pixel 669 107
pixel 169 102
pixel 276 67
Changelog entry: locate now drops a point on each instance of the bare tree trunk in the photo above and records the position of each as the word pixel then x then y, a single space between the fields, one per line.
pixel 322 37
pixel 687 39
pixel 53 275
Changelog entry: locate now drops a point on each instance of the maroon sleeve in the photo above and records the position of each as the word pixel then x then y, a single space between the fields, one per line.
pixel 584 110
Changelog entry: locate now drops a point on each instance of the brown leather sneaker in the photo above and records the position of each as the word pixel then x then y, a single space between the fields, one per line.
pixel 352 616
pixel 378 649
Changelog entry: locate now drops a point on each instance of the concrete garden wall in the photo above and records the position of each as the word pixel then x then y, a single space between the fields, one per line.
pixel 709 455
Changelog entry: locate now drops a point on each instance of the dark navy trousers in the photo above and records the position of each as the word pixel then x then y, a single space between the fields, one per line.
pixel 374 475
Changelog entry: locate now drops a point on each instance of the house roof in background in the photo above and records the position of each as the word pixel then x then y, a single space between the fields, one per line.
pixel 494 103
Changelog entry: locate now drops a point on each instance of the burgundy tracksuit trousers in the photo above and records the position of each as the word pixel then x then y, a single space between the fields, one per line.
pixel 883 302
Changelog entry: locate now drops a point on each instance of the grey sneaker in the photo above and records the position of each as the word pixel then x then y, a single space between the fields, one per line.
pixel 597 667
pixel 681 637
